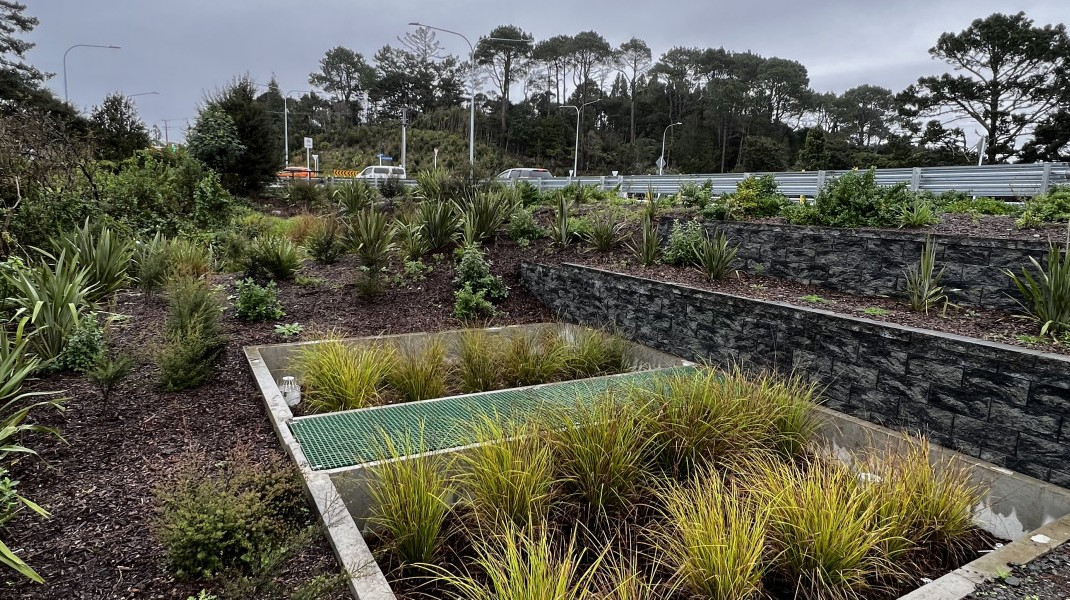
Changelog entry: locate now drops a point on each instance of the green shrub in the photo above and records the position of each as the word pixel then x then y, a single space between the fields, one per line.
pixel 354 197
pixel 487 211
pixel 1046 296
pixel 324 242
pixel 255 302
pixel 853 200
pixel 528 193
pixel 476 287
pixel 272 257
pixel 755 196
pixel 411 240
pixel 410 501
pixel 440 223
pixel 109 372
pixel 188 258
pixel 604 233
pixel 392 187
pixel 1053 207
pixel 648 248
pixel 225 517
pixel 961 202
pixel 194 338
pixel 150 263
pixel 522 226
pixel 371 238
pixel 54 297
pixel 304 194
pixel 714 256
pixel 923 281
pixel 699 196
pixel 104 253
pixel 336 376
pixel 684 241
pixel 471 304
pixel 233 250
pixel 84 347
pixel 917 212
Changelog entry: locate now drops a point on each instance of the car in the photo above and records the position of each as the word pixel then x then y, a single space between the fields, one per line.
pixel 524 174
pixel 296 173
pixel 382 172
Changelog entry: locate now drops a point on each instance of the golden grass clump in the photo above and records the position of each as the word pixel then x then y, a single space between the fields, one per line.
pixel 339 376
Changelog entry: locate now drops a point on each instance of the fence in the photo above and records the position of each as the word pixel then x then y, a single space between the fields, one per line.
pixel 999 181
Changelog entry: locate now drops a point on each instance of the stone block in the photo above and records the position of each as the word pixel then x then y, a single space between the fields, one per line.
pixel 1000 387
pixel 1017 418
pixel 952 398
pixel 987 434
pixel 937 371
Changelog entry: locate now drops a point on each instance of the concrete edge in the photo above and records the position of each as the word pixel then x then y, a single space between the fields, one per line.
pixel 964 581
pixel 366 580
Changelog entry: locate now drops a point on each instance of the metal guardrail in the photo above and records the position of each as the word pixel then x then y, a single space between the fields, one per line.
pixel 1002 181
pixel 999 181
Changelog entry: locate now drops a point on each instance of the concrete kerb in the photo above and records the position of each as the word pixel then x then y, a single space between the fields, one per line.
pixel 366 579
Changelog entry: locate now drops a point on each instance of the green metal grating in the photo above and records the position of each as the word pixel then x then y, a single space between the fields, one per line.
pixel 351 438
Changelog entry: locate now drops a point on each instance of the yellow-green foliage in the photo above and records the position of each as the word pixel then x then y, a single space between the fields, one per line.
pixel 338 376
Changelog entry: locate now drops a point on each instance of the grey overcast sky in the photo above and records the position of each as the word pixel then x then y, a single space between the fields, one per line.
pixel 181 48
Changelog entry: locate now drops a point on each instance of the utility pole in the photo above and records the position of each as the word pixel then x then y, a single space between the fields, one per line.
pixel 404 123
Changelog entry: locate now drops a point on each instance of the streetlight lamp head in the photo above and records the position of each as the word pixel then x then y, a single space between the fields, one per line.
pixel 414 24
pixel 114 47
pixel 677 123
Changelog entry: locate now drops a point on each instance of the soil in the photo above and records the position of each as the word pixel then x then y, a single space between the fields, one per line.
pixel 1044 578
pixel 986 226
pixel 99 484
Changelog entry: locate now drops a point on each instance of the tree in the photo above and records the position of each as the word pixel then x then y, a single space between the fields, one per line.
pixel 782 86
pixel 253 126
pixel 633 59
pixel 1014 73
pixel 117 129
pixel 589 50
pixel 12 49
pixel 555 53
pixel 504 61
pixel 343 74
pixel 866 112
pixel 1051 140
pixel 213 140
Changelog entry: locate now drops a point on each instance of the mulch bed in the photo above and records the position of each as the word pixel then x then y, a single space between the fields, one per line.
pixel 99 484
pixel 1044 578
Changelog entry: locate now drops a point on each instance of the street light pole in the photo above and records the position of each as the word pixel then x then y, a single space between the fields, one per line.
pixel 576 150
pixel 671 125
pixel 143 94
pixel 109 46
pixel 472 82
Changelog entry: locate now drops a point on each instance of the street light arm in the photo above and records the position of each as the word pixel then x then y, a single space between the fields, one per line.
pixel 66 98
pixel 472 102
pixel 471 48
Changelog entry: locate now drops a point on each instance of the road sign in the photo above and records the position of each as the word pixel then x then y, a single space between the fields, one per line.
pixel 660 163
pixel 308 143
pixel 384 157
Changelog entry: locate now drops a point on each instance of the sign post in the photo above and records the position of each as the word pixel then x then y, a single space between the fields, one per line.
pixel 308 146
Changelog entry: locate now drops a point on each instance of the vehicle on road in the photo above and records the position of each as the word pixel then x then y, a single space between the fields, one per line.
pixel 524 174
pixel 382 172
pixel 297 173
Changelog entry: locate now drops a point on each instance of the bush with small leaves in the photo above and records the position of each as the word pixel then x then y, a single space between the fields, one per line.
pixel 1052 207
pixel 84 347
pixel 255 302
pixel 470 304
pixel 474 273
pixel 522 226
pixel 109 372
pixel 194 338
pixel 684 240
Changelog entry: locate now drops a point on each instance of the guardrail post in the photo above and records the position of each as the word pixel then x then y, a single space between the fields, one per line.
pixel 1045 180
pixel 820 182
pixel 915 179
pixel 602 183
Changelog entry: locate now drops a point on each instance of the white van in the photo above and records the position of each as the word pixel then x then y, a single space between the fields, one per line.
pixel 382 172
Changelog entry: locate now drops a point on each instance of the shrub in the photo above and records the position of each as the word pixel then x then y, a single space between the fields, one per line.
pixel 233 250
pixel 1046 297
pixel 602 456
pixel 410 501
pixel 300 226
pixel 470 304
pixel 420 373
pixel 473 272
pixel 188 258
pixel 392 187
pixel 487 211
pixel 109 372
pixel 371 238
pixel 336 376
pixel 439 222
pixel 522 226
pixel 105 255
pixel 714 256
pixel 224 517
pixel 194 339
pixel 256 302
pixel 1047 208
pixel 684 241
pixel 324 242
pixel 647 249
pixel 917 212
pixel 84 347
pixel 272 257
pixel 478 362
pixel 853 200
pixel 961 202
pixel 560 228
pixel 699 196
pixel 755 196
pixel 604 233
pixel 151 262
pixel 354 198
pixel 715 538
pixel 508 476
pixel 54 297
pixel 825 530
pixel 411 240
pixel 923 282
pixel 304 194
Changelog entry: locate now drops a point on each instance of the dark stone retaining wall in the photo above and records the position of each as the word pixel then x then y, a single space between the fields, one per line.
pixel 1006 405
pixel 871 262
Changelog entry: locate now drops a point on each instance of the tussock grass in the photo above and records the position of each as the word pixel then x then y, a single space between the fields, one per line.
pixel 420 373
pixel 337 376
pixel 592 353
pixel 533 359
pixel 509 477
pixel 477 365
pixel 410 500
pixel 715 538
